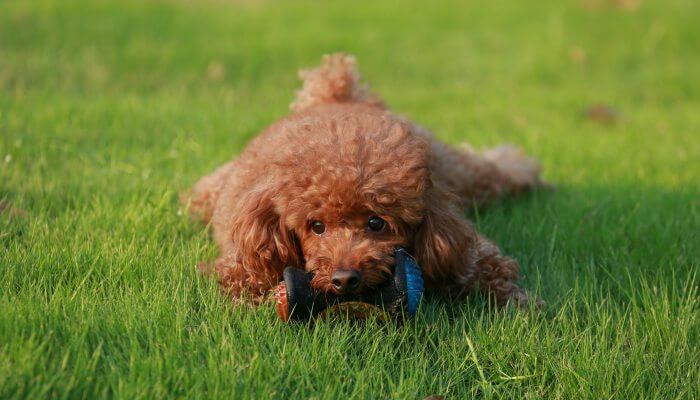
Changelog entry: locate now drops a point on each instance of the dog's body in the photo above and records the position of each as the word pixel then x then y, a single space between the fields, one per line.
pixel 335 187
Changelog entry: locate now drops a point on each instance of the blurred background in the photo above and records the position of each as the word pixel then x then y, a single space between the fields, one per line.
pixel 175 73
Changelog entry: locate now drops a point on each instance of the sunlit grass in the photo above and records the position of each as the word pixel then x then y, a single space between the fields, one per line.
pixel 109 110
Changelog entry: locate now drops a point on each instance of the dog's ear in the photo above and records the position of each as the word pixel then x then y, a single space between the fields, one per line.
pixel 260 239
pixel 444 238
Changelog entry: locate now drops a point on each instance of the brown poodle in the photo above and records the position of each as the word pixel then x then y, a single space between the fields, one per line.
pixel 336 186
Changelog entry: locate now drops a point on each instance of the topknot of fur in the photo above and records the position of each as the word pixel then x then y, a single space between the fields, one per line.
pixel 335 81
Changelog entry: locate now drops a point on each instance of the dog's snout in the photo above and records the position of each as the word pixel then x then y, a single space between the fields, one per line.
pixel 346 280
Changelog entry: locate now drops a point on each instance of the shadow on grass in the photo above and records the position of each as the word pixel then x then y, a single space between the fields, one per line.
pixel 603 241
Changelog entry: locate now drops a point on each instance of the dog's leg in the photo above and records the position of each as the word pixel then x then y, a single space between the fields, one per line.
pixel 497 172
pixel 497 275
pixel 522 172
pixel 481 177
pixel 205 192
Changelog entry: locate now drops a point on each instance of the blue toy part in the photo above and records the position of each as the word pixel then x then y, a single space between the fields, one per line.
pixel 409 278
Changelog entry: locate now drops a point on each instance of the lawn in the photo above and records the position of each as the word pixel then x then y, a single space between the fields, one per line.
pixel 110 109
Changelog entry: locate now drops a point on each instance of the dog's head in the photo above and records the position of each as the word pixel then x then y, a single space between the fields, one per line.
pixel 351 191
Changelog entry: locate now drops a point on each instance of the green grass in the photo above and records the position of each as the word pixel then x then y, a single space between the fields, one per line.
pixel 107 113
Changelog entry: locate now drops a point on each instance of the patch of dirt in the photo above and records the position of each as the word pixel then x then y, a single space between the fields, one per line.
pixel 12 211
pixel 602 114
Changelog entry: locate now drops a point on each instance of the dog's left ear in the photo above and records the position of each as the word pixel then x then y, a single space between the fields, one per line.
pixel 260 239
pixel 444 237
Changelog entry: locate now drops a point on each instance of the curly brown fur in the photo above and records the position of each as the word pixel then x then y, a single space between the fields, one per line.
pixel 341 158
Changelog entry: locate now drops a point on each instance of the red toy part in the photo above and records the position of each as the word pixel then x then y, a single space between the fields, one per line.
pixel 282 304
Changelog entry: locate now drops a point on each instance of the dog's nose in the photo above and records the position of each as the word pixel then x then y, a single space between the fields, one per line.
pixel 346 280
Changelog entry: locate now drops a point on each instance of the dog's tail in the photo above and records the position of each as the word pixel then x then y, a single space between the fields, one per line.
pixel 335 81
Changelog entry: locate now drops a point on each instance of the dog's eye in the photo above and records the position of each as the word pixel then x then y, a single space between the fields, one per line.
pixel 375 223
pixel 318 227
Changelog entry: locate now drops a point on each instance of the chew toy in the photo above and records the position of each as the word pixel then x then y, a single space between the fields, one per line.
pixel 397 299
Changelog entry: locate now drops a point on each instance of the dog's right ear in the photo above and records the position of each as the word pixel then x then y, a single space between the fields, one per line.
pixel 261 242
